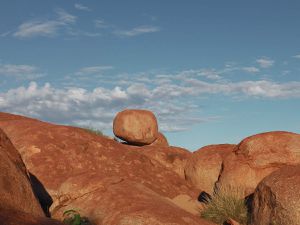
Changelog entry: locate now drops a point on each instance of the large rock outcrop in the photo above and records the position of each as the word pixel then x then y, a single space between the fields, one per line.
pixel 109 182
pixel 15 188
pixel 257 156
pixel 135 126
pixel 204 166
pixel 277 198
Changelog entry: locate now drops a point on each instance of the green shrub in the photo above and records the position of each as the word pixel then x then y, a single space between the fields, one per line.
pixel 226 202
pixel 73 217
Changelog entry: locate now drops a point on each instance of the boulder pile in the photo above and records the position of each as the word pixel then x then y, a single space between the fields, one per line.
pixel 47 169
pixel 107 181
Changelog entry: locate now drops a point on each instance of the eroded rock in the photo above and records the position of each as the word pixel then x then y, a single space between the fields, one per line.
pixel 135 126
pixel 15 188
pixel 111 183
pixel 277 198
pixel 257 156
pixel 204 166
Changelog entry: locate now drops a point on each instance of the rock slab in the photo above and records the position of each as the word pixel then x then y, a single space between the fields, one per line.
pixel 15 188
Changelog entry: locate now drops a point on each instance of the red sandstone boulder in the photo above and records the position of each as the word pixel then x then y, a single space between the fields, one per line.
pixel 137 127
pixel 15 188
pixel 161 141
pixel 204 166
pixel 277 198
pixel 258 156
pixel 109 182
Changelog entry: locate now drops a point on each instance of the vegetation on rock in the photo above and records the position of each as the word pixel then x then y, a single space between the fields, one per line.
pixel 73 217
pixel 227 202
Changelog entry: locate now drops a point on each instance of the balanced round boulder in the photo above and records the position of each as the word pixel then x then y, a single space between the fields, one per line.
pixel 277 198
pixel 137 127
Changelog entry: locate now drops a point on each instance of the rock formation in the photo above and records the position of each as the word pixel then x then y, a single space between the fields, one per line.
pixel 277 198
pixel 137 127
pixel 109 182
pixel 258 156
pixel 15 187
pixel 204 166
pixel 14 217
pixel 18 203
pixel 142 182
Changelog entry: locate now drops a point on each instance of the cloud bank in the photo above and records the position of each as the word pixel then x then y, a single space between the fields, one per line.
pixel 173 100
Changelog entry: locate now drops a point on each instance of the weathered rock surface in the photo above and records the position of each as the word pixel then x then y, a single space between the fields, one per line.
pixel 277 198
pixel 161 141
pixel 257 156
pixel 204 166
pixel 173 158
pixel 135 126
pixel 111 183
pixel 125 202
pixel 15 188
pixel 13 217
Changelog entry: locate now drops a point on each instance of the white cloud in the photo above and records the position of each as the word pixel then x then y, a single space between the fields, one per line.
pixel 251 69
pixel 137 31
pixel 45 28
pixel 296 56
pixel 100 24
pixel 265 62
pixel 175 103
pixel 20 71
pixel 209 74
pixel 93 70
pixel 81 7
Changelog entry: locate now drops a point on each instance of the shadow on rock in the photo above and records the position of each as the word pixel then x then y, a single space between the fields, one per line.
pixel 41 194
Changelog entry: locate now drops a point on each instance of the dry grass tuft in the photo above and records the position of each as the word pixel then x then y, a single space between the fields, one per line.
pixel 227 202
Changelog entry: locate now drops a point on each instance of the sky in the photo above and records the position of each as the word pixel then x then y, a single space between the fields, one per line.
pixel 211 71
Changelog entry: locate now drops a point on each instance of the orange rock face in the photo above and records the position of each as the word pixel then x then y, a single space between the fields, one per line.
pixel 277 198
pixel 258 156
pixel 173 158
pixel 12 217
pixel 161 141
pixel 15 188
pixel 109 182
pixel 204 166
pixel 137 127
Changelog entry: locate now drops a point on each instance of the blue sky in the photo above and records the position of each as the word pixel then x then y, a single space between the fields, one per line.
pixel 212 71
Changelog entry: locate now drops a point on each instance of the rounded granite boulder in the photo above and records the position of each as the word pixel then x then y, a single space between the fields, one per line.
pixel 138 127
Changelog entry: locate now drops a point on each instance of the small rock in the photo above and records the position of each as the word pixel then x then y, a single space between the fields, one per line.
pixel 161 141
